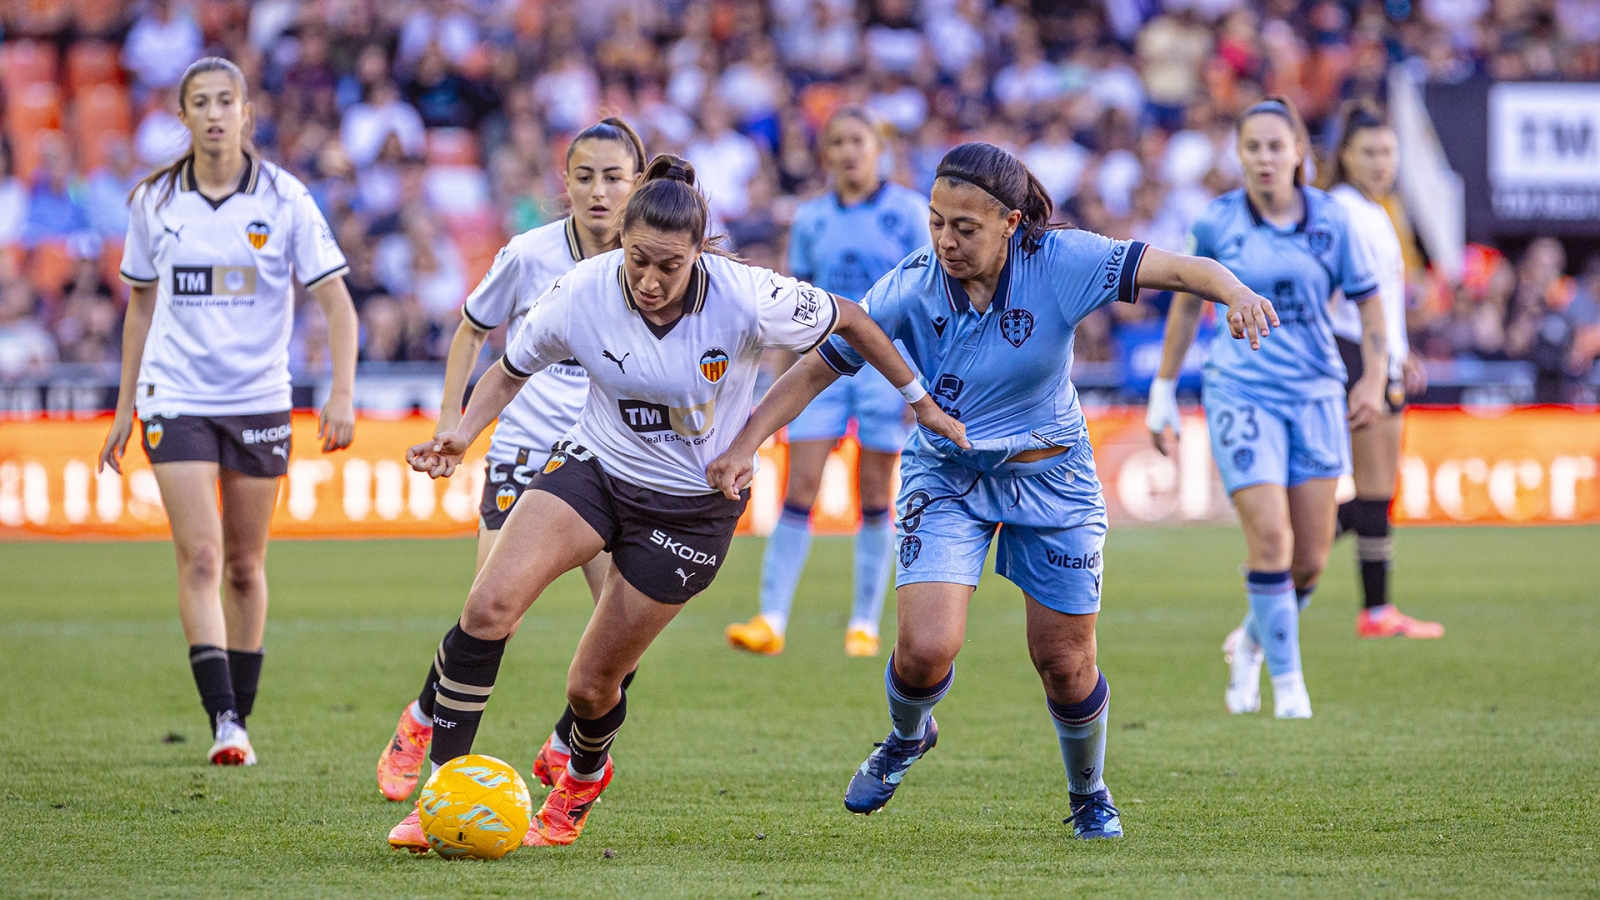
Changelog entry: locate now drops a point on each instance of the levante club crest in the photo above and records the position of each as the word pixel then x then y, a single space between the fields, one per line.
pixel 714 364
pixel 258 232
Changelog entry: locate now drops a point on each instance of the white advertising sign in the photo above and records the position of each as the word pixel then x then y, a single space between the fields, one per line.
pixel 1544 150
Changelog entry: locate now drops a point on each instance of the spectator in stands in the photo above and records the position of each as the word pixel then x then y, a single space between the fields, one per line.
pixel 1549 312
pixel 445 98
pixel 160 137
pixel 87 329
pixel 161 44
pixel 55 198
pixel 106 191
pixel 13 199
pixel 367 125
pixel 26 348
pixel 725 162
pixel 421 263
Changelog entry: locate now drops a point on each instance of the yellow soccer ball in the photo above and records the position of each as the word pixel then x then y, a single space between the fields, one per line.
pixel 475 807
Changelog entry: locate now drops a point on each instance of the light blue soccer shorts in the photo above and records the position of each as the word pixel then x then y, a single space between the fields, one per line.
pixel 883 420
pixel 1257 441
pixel 1050 515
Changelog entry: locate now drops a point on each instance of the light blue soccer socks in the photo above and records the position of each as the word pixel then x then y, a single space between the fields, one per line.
pixel 874 543
pixel 1277 619
pixel 1081 728
pixel 910 706
pixel 788 547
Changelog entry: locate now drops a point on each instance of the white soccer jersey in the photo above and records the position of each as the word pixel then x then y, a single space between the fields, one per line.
pixel 664 402
pixel 548 405
pixel 1370 223
pixel 219 341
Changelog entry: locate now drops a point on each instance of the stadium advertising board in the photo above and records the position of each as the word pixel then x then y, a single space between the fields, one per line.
pixel 1538 465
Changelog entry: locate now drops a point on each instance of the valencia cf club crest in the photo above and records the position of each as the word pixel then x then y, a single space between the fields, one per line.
pixel 714 364
pixel 257 231
pixel 910 548
pixel 152 434
pixel 556 461
pixel 504 497
pixel 1016 325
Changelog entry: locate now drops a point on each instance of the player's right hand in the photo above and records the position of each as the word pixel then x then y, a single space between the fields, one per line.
pixel 439 456
pixel 116 444
pixel 936 420
pixel 731 472
pixel 1162 412
pixel 1251 316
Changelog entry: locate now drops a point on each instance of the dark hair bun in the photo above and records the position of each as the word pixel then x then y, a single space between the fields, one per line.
pixel 672 168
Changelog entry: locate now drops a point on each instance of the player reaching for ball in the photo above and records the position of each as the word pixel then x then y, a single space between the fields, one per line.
pixel 214 243
pixel 1279 429
pixel 671 333
pixel 1362 178
pixel 842 242
pixel 604 163
pixel 988 314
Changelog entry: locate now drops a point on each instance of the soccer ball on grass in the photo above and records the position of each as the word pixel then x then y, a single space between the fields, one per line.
pixel 475 807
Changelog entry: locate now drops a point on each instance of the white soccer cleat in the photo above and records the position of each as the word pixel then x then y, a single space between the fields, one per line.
pixel 1244 658
pixel 232 747
pixel 1289 697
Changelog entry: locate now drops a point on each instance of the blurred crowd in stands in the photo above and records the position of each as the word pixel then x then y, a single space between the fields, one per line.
pixel 431 130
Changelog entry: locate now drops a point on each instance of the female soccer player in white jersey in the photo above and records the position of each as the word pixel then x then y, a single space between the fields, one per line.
pixel 604 163
pixel 1362 179
pixel 671 334
pixel 988 314
pixel 842 242
pixel 1279 429
pixel 214 243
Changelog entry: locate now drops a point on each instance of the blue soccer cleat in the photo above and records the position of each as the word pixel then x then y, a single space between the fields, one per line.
pixel 874 783
pixel 1093 817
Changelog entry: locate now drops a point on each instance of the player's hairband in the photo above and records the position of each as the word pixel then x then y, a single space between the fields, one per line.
pixel 1273 107
pixel 1362 118
pixel 942 173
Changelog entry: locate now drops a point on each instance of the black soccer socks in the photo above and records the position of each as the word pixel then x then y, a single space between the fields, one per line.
pixel 244 668
pixel 591 739
pixel 467 670
pixel 211 676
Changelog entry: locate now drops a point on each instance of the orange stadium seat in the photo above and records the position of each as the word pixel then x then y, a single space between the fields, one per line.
pixel 111 261
pixel 478 249
pixel 39 17
pixel 100 17
pixel 49 267
pixel 31 112
pixel 452 147
pixel 90 64
pixel 26 62
pixel 100 112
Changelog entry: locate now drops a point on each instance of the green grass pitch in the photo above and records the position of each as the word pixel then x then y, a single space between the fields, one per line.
pixel 1461 767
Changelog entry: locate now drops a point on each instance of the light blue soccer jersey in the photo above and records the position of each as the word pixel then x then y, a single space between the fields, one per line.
pixel 1002 373
pixel 1298 268
pixel 844 249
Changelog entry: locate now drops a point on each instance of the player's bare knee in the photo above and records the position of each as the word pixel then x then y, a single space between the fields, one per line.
pixel 923 664
pixel 489 615
pixel 200 564
pixel 1272 549
pixel 245 572
pixel 591 695
pixel 1068 673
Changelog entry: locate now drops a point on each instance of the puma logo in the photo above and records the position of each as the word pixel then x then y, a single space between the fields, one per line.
pixel 280 450
pixel 684 575
pixel 176 235
pixel 619 362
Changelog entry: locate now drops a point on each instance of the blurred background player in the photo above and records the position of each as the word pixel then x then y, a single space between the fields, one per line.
pixel 214 240
pixel 604 163
pixel 671 336
pixel 990 324
pixel 842 242
pixel 1362 180
pixel 1278 422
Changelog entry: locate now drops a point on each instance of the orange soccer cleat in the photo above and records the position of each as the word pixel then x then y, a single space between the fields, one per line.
pixel 755 636
pixel 560 820
pixel 408 834
pixel 400 765
pixel 860 642
pixel 1387 621
pixel 550 763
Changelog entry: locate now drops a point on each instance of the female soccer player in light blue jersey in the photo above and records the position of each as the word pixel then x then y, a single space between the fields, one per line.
pixel 1277 420
pixel 842 242
pixel 987 313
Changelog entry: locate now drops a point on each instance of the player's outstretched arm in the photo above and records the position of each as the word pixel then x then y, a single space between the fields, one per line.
pixel 1249 314
pixel 1183 318
pixel 337 425
pixel 731 472
pixel 440 455
pixel 867 339
pixel 464 349
pixel 1366 398
pixel 135 328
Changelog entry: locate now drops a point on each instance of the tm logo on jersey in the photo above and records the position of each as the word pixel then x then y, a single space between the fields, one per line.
pixel 643 417
pixel 207 281
pixel 682 551
pixel 1016 325
pixel 807 306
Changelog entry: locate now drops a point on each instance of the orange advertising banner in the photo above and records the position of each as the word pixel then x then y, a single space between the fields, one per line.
pixel 1539 465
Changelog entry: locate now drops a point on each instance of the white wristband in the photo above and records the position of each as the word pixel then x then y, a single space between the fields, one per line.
pixel 913 391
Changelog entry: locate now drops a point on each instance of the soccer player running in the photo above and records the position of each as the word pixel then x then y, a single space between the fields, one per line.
pixel 842 242
pixel 1277 420
pixel 214 242
pixel 604 163
pixel 988 314
pixel 671 333
pixel 1362 179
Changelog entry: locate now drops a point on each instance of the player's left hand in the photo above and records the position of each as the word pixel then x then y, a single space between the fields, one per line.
pixel 936 420
pixel 440 455
pixel 1415 376
pixel 731 472
pixel 1366 401
pixel 1251 316
pixel 336 427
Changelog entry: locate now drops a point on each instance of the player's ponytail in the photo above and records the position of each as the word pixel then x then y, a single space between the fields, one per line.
pixel 167 176
pixel 1356 117
pixel 1003 177
pixel 669 201
pixel 613 129
pixel 1276 105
